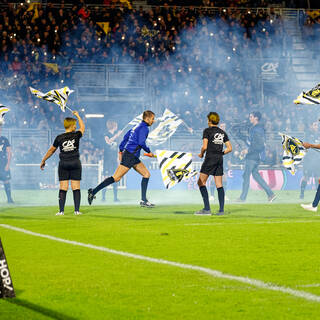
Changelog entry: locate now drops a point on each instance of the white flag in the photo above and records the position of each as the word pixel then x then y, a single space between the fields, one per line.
pixel 169 122
pixel 3 111
pixel 59 96
pixel 310 97
pixel 293 152
pixel 175 166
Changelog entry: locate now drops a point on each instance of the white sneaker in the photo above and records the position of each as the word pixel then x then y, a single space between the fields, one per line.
pixel 60 213
pixel 77 213
pixel 211 198
pixel 309 207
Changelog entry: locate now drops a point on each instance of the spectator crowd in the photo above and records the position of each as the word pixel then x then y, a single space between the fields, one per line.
pixel 198 59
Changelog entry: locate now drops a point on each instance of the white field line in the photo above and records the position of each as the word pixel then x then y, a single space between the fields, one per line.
pixel 252 222
pixel 215 273
pixel 313 285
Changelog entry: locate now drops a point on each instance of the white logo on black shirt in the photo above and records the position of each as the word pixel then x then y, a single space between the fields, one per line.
pixel 218 138
pixel 68 145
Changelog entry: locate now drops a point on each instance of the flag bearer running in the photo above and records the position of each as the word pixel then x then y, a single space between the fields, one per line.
pixel 129 153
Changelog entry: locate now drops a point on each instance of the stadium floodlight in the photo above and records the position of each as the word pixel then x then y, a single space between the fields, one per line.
pixel 94 115
pixel 228 58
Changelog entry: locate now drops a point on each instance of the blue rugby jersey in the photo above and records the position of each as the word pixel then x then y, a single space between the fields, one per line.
pixel 135 139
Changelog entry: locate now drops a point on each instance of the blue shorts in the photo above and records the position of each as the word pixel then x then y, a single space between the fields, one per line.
pixel 129 160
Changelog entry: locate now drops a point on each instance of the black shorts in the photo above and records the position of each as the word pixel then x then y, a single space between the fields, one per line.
pixel 4 175
pixel 212 166
pixel 70 170
pixel 129 160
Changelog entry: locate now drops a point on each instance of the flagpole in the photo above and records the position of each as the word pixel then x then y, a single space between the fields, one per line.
pixel 69 109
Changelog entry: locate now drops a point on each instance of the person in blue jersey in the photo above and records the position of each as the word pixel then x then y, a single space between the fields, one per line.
pixel 129 152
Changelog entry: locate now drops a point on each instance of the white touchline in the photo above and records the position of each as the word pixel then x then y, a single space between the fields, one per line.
pixel 215 273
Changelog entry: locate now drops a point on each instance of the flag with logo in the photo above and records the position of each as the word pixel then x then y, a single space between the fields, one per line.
pixel 168 124
pixel 293 152
pixel 310 97
pixel 175 166
pixel 59 96
pixel 3 111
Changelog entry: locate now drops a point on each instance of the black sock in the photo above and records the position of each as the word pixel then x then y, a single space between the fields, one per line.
pixel 316 198
pixel 205 197
pixel 115 191
pixel 144 186
pixel 7 188
pixel 76 199
pixel 62 199
pixel 303 186
pixel 221 198
pixel 103 184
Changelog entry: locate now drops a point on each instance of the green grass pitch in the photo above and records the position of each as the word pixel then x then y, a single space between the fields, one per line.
pixel 275 243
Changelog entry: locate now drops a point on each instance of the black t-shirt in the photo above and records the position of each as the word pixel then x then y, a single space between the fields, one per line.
pixel 4 143
pixel 68 143
pixel 216 138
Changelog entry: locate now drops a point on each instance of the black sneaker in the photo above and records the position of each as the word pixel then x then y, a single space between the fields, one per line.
pixel 146 204
pixel 90 196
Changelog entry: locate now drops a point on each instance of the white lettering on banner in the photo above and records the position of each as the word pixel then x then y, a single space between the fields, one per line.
pixel 270 67
pixel 5 275
pixel 68 145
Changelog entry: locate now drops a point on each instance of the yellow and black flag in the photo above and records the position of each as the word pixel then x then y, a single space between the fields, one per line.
pixel 175 166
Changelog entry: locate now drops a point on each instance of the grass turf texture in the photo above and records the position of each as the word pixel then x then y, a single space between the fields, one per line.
pixel 277 243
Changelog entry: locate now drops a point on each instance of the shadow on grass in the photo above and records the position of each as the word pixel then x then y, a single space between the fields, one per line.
pixel 39 309
pixel 106 216
pixel 19 217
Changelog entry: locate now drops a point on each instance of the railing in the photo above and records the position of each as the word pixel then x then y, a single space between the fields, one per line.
pixel 104 82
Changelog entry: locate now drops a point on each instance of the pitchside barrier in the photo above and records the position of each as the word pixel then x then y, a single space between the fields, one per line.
pixel 6 285
pixel 29 176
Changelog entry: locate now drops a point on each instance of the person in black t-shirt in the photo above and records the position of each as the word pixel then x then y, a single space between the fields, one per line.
pixel 212 146
pixel 69 164
pixel 5 158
